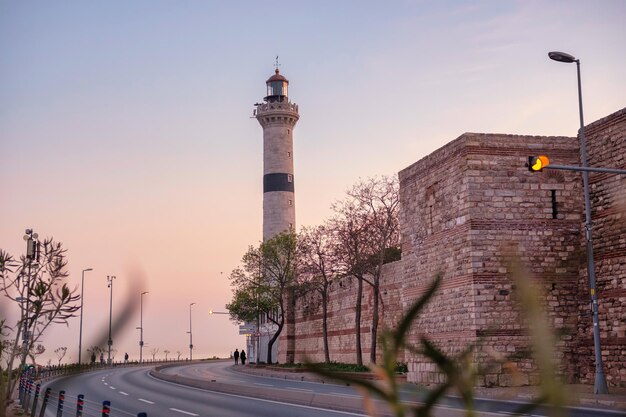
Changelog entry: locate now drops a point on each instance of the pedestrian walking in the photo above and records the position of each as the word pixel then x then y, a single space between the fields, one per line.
pixel 236 356
pixel 126 357
pixel 243 357
pixel 102 358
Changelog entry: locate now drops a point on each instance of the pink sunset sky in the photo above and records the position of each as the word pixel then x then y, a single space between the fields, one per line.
pixel 125 127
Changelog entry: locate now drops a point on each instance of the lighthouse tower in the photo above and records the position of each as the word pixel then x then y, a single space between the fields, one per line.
pixel 277 116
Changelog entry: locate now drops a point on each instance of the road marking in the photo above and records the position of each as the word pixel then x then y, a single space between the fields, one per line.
pixel 300 389
pixel 308 407
pixel 339 394
pixel 265 385
pixel 123 393
pixel 106 383
pixel 146 401
pixel 183 411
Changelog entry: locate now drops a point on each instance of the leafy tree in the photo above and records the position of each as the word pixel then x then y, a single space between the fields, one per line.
pixel 319 251
pixel 35 284
pixel 264 283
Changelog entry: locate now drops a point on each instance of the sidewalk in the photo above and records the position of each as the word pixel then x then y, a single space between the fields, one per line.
pixel 578 395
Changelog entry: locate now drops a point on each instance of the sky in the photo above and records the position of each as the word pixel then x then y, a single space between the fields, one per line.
pixel 126 129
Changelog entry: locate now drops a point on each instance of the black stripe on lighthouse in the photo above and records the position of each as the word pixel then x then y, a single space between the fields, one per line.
pixel 278 182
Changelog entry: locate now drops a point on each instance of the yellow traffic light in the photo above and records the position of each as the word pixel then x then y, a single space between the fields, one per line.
pixel 537 163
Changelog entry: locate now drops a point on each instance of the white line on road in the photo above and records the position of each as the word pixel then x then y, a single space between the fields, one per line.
pixel 146 401
pixel 183 411
pixel 123 393
pixel 112 387
pixel 106 383
pixel 346 413
pixel 265 385
pixel 340 394
pixel 300 389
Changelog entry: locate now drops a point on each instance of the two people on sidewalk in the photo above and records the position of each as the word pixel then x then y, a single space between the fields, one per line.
pixel 241 355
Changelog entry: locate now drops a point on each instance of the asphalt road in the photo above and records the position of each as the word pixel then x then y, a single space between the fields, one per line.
pixel 223 372
pixel 133 390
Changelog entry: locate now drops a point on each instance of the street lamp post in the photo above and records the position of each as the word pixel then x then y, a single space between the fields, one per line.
pixel 110 341
pixel 600 386
pixel 190 335
pixel 32 253
pixel 80 335
pixel 141 327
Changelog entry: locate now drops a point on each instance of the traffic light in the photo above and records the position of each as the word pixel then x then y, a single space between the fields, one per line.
pixel 537 163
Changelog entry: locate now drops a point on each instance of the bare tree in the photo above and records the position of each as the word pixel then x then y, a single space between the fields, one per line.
pixel 319 251
pixel 350 227
pixel 178 355
pixel 154 352
pixel 95 352
pixel 379 198
pixel 366 224
pixel 60 351
pixel 35 284
pixel 167 352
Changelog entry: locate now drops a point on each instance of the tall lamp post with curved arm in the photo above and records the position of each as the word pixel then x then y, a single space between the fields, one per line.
pixel 190 334
pixel 110 341
pixel 600 386
pixel 141 326
pixel 82 298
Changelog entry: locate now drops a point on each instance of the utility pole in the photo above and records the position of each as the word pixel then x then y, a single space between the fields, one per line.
pixel 110 341
pixel 190 334
pixel 80 336
pixel 141 327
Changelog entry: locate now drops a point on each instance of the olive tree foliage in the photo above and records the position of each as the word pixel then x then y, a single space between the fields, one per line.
pixel 35 285
pixel 263 284
pixel 367 227
pixel 319 249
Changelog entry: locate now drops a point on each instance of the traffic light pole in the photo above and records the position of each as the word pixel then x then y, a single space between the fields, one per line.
pixel 600 386
pixel 586 169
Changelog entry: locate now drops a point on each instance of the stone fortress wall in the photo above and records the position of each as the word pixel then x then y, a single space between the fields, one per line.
pixel 462 207
pixel 606 147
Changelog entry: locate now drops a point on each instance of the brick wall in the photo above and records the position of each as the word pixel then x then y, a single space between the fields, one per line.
pixel 341 327
pixel 606 147
pixel 461 207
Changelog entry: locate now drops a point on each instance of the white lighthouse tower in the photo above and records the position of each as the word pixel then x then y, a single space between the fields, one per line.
pixel 278 116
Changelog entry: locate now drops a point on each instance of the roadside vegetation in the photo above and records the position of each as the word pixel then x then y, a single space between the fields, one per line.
pixel 35 286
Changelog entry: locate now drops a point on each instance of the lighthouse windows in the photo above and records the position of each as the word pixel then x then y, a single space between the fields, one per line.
pixel 290 203
pixel 289 178
pixel 288 154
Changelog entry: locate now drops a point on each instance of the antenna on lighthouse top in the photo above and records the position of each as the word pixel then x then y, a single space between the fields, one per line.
pixel 276 64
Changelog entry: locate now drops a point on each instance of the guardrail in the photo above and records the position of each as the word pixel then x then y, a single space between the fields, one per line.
pixel 30 391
